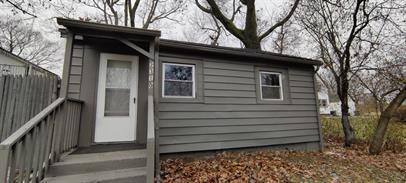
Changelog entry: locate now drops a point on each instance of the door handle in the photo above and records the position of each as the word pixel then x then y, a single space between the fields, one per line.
pixel 134 99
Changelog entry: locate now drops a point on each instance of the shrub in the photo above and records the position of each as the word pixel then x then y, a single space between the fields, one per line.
pixel 364 126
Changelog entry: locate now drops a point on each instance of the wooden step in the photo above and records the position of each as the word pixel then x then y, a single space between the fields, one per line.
pixel 131 175
pixel 97 162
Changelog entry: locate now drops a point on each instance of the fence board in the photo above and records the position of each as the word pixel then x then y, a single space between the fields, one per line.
pixel 7 122
pixel 2 90
pixel 20 103
pixel 22 97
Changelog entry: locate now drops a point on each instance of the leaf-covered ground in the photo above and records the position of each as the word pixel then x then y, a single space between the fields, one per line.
pixel 335 164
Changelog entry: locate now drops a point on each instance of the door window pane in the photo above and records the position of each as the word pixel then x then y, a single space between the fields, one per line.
pixel 118 82
pixel 118 74
pixel 117 102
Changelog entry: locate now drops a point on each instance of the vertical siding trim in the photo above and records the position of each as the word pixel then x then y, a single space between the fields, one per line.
pixel 66 65
pixel 318 111
pixel 154 48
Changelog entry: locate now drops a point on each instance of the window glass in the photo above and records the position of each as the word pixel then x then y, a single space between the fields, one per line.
pixel 178 80
pixel 271 86
pixel 270 79
pixel 118 79
pixel 271 92
pixel 178 72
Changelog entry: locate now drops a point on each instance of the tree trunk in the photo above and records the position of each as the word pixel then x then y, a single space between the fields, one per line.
pixel 251 39
pixel 349 136
pixel 381 106
pixel 126 8
pixel 132 19
pixel 342 92
pixel 386 115
pixel 252 44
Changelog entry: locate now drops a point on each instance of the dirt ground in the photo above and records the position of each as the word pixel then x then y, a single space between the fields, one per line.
pixel 334 164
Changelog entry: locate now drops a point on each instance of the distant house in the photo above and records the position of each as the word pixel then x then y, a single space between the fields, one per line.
pixel 11 64
pixel 323 102
pixel 331 107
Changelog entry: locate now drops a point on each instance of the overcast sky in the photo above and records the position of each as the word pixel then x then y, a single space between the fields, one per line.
pixel 170 30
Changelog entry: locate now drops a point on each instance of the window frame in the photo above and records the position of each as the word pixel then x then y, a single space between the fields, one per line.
pixel 270 86
pixel 193 80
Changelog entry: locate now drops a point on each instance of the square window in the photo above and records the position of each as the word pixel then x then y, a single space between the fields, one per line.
pixel 178 80
pixel 271 86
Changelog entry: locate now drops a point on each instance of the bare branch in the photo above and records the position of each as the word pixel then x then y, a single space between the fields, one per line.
pixel 283 21
pixel 15 5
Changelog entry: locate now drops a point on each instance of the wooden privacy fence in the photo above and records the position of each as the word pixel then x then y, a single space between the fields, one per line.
pixel 25 156
pixel 22 97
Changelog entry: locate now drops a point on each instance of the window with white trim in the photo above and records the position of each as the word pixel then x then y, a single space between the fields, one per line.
pixel 178 80
pixel 271 85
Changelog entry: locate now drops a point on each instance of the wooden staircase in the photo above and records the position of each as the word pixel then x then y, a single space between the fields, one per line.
pixel 35 152
pixel 123 166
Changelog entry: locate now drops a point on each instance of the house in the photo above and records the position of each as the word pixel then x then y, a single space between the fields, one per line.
pixel 129 98
pixel 336 106
pixel 323 102
pixel 328 107
pixel 15 65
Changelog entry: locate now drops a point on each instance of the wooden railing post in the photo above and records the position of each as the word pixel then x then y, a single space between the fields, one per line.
pixel 4 161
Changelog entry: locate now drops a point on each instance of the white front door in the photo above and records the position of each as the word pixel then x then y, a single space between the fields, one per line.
pixel 116 115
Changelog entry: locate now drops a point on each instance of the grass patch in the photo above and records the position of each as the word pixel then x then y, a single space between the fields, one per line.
pixel 395 139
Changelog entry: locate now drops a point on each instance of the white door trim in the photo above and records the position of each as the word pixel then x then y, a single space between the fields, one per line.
pixel 116 128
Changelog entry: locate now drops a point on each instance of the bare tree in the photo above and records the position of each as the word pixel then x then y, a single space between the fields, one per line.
pixel 107 8
pixel 204 29
pixel 339 29
pixel 22 6
pixel 379 134
pixel 385 81
pixel 356 92
pixel 19 38
pixel 393 74
pixel 280 42
pixel 378 85
pixel 287 38
pixel 327 79
pixel 249 35
pixel 127 12
pixel 161 10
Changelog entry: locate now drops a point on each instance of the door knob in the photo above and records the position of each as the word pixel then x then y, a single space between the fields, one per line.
pixel 134 100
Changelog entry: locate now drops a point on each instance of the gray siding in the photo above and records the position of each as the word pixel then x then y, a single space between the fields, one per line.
pixel 75 72
pixel 83 81
pixel 230 115
pixel 88 94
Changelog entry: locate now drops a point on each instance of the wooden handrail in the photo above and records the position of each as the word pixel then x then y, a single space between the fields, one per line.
pixel 13 138
pixel 26 155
